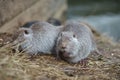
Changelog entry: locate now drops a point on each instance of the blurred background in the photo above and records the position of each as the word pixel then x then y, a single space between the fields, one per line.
pixel 103 15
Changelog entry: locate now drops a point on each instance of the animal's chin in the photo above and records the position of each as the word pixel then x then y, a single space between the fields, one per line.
pixel 64 54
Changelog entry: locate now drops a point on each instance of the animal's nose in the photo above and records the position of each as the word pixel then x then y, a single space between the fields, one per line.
pixel 62 51
pixel 63 47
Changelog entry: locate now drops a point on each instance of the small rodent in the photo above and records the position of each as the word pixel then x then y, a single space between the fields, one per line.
pixel 39 37
pixel 75 42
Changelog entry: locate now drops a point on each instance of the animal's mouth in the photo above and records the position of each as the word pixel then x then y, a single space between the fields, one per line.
pixel 64 54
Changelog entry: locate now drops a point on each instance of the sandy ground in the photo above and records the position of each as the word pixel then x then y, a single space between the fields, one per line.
pixel 19 66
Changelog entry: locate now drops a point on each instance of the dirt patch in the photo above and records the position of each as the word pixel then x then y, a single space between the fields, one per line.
pixel 19 66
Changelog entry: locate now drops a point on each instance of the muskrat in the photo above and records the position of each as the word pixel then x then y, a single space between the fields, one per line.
pixel 39 37
pixel 75 42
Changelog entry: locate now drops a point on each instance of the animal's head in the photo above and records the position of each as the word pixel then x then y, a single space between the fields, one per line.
pixel 24 34
pixel 34 29
pixel 68 45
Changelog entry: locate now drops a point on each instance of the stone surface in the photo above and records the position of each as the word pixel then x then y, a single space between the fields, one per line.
pixel 14 13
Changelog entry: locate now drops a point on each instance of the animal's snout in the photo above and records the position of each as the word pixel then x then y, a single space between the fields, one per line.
pixel 63 47
pixel 62 51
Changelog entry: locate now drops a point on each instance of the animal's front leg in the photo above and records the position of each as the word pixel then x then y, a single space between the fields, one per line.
pixel 84 62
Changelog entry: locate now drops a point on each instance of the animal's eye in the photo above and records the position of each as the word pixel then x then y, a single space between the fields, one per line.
pixel 26 32
pixel 74 35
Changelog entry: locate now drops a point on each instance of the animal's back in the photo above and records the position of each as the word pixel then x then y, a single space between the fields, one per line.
pixel 40 37
pixel 45 36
